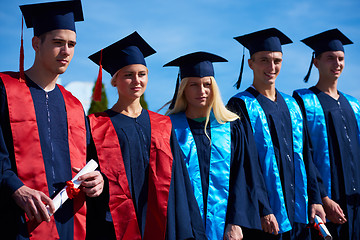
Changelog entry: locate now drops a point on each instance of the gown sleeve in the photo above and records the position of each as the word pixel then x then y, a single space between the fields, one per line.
pixel 10 181
pixel 238 106
pixel 98 212
pixel 247 194
pixel 308 150
pixel 3 154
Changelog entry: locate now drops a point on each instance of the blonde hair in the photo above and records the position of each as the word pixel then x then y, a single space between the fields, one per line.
pixel 221 113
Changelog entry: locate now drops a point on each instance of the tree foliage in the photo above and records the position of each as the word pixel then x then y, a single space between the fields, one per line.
pixel 143 102
pixel 99 106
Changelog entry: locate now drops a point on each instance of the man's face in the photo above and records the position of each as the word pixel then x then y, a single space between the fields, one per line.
pixel 330 64
pixel 55 50
pixel 266 67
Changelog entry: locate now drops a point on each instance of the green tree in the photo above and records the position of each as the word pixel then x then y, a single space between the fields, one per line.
pixel 143 102
pixel 99 106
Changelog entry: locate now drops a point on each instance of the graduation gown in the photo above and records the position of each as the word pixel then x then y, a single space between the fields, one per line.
pixel 280 126
pixel 134 138
pixel 344 155
pixel 50 111
pixel 245 177
pixel 3 155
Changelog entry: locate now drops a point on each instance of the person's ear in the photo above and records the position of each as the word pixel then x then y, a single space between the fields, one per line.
pixel 250 63
pixel 36 43
pixel 316 62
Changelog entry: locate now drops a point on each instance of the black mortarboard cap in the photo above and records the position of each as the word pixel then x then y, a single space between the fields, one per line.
pixel 132 49
pixel 330 40
pixel 197 64
pixel 45 17
pixel 269 39
pixel 129 50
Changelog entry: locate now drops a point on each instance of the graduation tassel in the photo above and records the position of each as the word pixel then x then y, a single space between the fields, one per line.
pixel 306 78
pixel 21 64
pixel 238 83
pixel 173 101
pixel 98 85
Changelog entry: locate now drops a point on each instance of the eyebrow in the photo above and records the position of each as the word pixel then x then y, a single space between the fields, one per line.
pixel 135 71
pixel 63 40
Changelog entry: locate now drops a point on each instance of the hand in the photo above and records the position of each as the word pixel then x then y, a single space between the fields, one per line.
pixel 34 203
pixel 317 209
pixel 269 224
pixel 333 211
pixel 233 232
pixel 92 183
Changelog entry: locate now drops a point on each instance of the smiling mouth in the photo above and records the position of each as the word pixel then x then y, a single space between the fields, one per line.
pixel 270 74
pixel 63 61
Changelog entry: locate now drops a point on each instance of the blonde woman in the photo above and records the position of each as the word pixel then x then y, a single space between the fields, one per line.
pixel 149 192
pixel 222 165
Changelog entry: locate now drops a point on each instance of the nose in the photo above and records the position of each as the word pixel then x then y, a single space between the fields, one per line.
pixel 337 62
pixel 202 89
pixel 66 49
pixel 136 78
pixel 272 66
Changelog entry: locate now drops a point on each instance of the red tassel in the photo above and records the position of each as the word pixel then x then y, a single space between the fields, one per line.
pixel 21 65
pixel 98 85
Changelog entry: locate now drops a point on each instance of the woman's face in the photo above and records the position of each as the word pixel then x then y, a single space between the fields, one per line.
pixel 198 92
pixel 131 81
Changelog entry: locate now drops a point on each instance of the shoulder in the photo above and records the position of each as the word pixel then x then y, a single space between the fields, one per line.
pixel 98 118
pixel 158 116
pixel 67 93
pixel 237 125
pixel 349 97
pixel 236 105
pixel 9 74
pixel 98 115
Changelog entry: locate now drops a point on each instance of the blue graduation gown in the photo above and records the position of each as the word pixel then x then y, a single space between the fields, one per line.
pixel 53 131
pixel 183 217
pixel 344 154
pixel 245 176
pixel 279 122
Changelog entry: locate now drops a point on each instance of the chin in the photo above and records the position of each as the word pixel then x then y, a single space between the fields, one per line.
pixel 61 70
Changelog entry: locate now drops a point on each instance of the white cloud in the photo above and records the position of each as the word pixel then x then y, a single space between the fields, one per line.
pixel 82 91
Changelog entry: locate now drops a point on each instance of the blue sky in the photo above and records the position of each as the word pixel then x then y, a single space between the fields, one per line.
pixel 174 28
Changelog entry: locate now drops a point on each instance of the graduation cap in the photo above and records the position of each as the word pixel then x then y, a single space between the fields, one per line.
pixel 269 39
pixel 331 40
pixel 45 17
pixel 132 49
pixel 197 64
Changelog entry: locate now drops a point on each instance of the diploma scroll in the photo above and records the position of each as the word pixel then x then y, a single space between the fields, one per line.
pixel 62 196
pixel 322 228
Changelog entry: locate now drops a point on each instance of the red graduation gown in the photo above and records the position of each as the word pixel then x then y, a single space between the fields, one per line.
pixel 112 165
pixel 27 149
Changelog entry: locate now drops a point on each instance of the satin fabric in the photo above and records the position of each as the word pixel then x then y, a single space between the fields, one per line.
pixel 317 126
pixel 160 165
pixel 30 170
pixel 354 103
pixel 269 165
pixel 301 197
pixel 219 173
